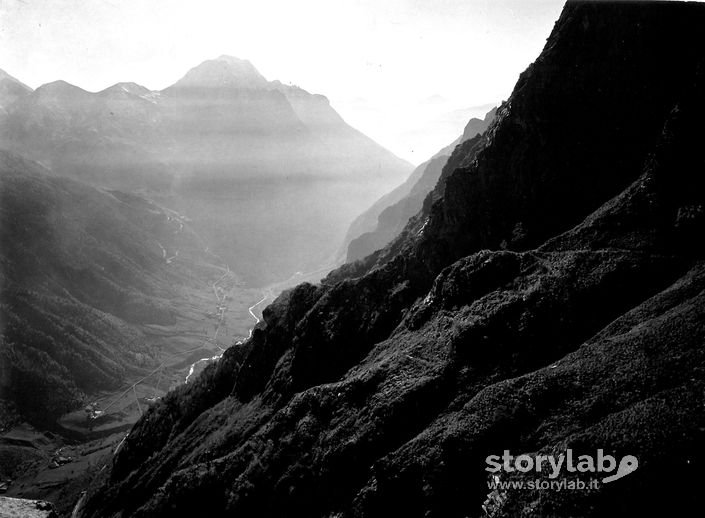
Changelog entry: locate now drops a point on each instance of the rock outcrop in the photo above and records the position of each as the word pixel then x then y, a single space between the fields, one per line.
pixel 23 508
pixel 382 222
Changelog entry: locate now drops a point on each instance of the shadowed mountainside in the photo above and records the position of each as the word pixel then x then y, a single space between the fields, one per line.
pixel 82 270
pixel 382 222
pixel 549 295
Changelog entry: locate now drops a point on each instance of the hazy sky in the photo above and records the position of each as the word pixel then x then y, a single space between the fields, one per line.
pixel 408 73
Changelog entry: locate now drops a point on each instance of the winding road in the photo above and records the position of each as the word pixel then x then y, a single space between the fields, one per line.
pixel 239 342
pixel 269 294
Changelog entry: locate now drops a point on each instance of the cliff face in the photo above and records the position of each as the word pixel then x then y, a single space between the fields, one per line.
pixel 389 215
pixel 222 122
pixel 549 295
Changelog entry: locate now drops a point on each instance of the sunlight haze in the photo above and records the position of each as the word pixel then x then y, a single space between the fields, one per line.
pixel 408 73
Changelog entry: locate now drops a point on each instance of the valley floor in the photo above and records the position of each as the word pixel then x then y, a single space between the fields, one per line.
pixel 53 468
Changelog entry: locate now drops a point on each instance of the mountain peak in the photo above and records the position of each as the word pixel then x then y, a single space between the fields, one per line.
pixel 475 125
pixel 126 88
pixel 233 60
pixel 224 71
pixel 60 88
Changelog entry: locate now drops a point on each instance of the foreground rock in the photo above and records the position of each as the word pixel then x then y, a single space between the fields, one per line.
pixel 21 508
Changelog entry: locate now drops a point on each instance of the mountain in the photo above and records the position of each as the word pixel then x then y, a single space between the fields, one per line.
pixel 223 72
pixel 472 128
pixel 550 297
pixel 270 174
pixel 11 90
pixel 100 138
pixel 378 225
pixel 83 278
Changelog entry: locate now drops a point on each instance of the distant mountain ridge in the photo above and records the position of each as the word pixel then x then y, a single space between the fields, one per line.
pixel 273 172
pixel 226 94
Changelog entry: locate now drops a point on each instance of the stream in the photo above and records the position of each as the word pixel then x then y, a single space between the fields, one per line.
pixel 217 356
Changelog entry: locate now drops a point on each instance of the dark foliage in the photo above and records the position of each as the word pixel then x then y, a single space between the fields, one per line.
pixel 80 272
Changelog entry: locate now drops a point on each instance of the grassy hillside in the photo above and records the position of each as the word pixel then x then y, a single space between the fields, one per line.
pixel 82 272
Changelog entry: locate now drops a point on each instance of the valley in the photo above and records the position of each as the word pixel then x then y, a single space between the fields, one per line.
pixel 214 310
pixel 209 316
pixel 202 308
pixel 219 299
pixel 58 465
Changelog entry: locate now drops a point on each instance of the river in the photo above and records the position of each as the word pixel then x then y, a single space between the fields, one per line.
pixel 270 293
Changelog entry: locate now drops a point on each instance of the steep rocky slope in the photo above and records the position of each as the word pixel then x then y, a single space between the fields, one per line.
pixel 549 295
pixel 382 222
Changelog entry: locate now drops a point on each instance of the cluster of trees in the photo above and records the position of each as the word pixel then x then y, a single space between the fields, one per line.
pixel 51 358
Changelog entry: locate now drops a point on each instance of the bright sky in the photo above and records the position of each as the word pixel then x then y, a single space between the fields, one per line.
pixel 408 73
